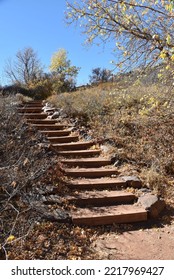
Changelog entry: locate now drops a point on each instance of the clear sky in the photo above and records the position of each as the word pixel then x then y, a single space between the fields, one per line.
pixel 40 24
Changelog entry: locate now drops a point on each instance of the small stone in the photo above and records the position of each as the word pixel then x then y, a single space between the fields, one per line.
pixel 132 181
pixel 145 190
pixel 55 115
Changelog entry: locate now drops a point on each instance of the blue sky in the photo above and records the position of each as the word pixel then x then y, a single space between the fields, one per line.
pixel 40 24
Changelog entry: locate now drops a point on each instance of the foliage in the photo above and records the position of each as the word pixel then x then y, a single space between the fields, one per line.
pixel 25 68
pixel 27 77
pixel 41 88
pixel 141 31
pixel 14 89
pixel 100 75
pixel 37 89
pixel 63 73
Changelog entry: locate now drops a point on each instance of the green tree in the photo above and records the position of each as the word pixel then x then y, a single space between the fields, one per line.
pixel 141 30
pixel 25 68
pixel 63 73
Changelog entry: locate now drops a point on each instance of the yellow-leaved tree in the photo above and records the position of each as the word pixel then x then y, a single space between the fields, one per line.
pixel 62 72
pixel 141 30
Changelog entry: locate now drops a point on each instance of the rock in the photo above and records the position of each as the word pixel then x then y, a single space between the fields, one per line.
pixel 152 204
pixel 55 215
pixel 51 199
pixel 107 149
pixel 46 190
pixel 132 181
pixel 55 115
pixel 145 190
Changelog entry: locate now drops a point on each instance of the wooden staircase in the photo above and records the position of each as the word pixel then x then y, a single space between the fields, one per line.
pixel 98 192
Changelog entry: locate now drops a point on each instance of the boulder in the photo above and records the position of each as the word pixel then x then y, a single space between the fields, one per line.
pixel 152 204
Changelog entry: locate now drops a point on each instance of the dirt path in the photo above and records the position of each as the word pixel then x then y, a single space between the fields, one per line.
pixel 137 243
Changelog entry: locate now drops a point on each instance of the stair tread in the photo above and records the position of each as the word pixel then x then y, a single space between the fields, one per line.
pixel 100 198
pixel 99 180
pixel 80 153
pixel 33 105
pixel 41 121
pixel 96 183
pixel 108 215
pixel 74 144
pixel 99 194
pixel 63 139
pixel 30 109
pixel 66 137
pixel 45 120
pixel 55 133
pixel 86 162
pixel 34 115
pixel 98 159
pixel 90 172
pixel 50 126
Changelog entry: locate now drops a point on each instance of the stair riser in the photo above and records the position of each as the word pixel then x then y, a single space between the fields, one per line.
pixel 86 164
pixel 56 133
pixel 63 139
pixel 29 110
pixel 33 105
pixel 47 126
pixel 39 102
pixel 79 154
pixel 41 121
pixel 35 116
pixel 97 186
pixel 72 147
pixel 105 201
pixel 96 174
pixel 107 220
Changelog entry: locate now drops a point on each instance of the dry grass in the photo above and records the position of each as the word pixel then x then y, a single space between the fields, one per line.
pixel 136 119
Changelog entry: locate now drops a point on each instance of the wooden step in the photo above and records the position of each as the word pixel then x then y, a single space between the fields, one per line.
pixel 73 146
pixel 63 139
pixel 30 110
pixel 56 133
pixel 101 183
pixel 108 215
pixel 49 126
pixel 80 153
pixel 100 198
pixel 91 172
pixel 35 115
pixel 34 101
pixel 33 104
pixel 41 121
pixel 86 162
